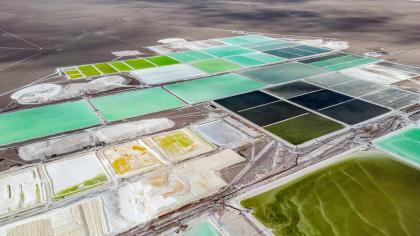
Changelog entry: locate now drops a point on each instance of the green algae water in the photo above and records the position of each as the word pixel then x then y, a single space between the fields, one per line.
pixel 203 229
pixel 366 194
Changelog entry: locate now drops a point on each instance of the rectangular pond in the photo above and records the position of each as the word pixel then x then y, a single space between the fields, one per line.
pixel 304 128
pixel 215 65
pixel 406 68
pixel 283 72
pixel 282 53
pixel 167 74
pixel 296 51
pixel 394 98
pixel 139 64
pixel 210 88
pixel 293 89
pixel 204 228
pixel 120 66
pixel 354 111
pixel 89 70
pixel 339 61
pixel 135 103
pixel 178 145
pixel 350 64
pixel 268 45
pixel 227 51
pixel 271 113
pixel 329 79
pixel 105 68
pixel 320 99
pixel 72 73
pixel 75 175
pixel 130 158
pixel 254 59
pixel 246 101
pixel 23 125
pixel 220 133
pixel 332 59
pixel 189 56
pixel 162 60
pixel 245 39
pixel 357 87
pixel 404 143
pixel 378 74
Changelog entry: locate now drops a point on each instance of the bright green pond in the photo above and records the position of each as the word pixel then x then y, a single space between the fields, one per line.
pixel 368 194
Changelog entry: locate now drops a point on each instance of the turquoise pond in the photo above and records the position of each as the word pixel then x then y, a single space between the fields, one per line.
pixel 205 228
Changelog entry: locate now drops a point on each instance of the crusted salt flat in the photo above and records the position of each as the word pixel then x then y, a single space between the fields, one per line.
pixel 76 174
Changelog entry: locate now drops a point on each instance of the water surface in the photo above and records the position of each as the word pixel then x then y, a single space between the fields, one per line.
pixel 368 194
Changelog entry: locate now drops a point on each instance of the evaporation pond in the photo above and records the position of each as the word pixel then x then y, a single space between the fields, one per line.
pixel 47 120
pixel 365 193
pixel 283 72
pixel 404 143
pixel 205 228
pixel 134 103
pixel 215 87
pixel 304 128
